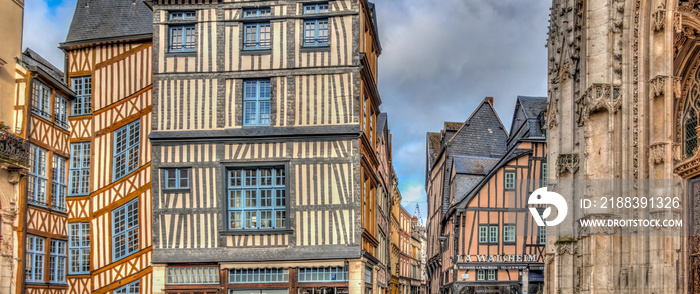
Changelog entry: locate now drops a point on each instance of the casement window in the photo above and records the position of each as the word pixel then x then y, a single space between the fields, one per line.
pixel 509 234
pixel 177 178
pixel 58 183
pixel 256 36
pixel 509 181
pixel 316 32
pixel 183 15
pixel 544 174
pixel 37 180
pixel 323 274
pixel 125 230
pixel 182 38
pixel 79 169
pixel 256 103
pixel 263 275
pixel 488 234
pixel 34 261
pixel 79 248
pixel 182 35
pixel 192 275
pixel 126 149
pixel 57 262
pixel 316 8
pixel 542 235
pixel 368 275
pixel 41 99
pixel 486 275
pixel 257 198
pixel 257 12
pixel 82 86
pixel 491 275
pixel 61 111
pixel 131 288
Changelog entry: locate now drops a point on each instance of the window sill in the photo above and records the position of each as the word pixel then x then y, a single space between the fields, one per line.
pixel 188 190
pixel 192 53
pixel 256 232
pixel 256 51
pixel 324 48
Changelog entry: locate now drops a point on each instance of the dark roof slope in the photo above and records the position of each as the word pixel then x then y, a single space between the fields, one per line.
pixel 481 135
pixel 31 58
pixel 533 105
pixel 102 20
pixel 527 118
pixel 474 165
pixel 32 61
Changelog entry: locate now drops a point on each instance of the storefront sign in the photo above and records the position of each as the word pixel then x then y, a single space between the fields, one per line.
pixel 487 267
pixel 498 258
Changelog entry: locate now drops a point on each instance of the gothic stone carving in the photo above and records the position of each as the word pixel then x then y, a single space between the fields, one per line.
pixel 598 97
pixel 657 85
pixel 658 17
pixel 657 153
pixel 567 162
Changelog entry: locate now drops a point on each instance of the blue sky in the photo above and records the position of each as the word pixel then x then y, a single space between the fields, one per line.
pixel 440 59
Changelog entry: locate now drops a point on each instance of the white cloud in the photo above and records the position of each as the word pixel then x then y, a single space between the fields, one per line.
pixel 45 26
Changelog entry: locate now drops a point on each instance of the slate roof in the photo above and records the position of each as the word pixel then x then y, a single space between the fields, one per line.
pixel 533 105
pixel 33 59
pixel 453 125
pixel 104 20
pixel 526 118
pixel 372 9
pixel 482 134
pixel 475 165
pixel 381 121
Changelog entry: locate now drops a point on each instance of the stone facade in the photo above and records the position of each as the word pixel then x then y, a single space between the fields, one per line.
pixel 620 78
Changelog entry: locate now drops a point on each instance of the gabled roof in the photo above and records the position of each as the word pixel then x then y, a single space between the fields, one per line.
pixel 482 134
pixel 527 115
pixel 97 21
pixel 532 106
pixel 31 58
pixel 32 61
pixel 512 154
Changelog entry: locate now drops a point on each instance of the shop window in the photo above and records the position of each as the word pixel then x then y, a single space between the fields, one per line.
pixel 263 275
pixel 192 275
pixel 323 274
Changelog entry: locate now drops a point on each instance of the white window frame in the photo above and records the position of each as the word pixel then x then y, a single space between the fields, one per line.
pixel 79 248
pixel 38 180
pixel 35 257
pixel 57 263
pixel 59 189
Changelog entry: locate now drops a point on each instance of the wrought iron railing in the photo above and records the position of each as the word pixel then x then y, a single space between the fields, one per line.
pixel 14 148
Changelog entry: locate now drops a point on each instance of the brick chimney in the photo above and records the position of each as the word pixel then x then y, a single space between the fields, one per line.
pixel 490 100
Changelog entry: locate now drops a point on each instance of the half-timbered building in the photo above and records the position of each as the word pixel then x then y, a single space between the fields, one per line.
pixel 264 147
pixel 109 68
pixel 41 115
pixel 481 232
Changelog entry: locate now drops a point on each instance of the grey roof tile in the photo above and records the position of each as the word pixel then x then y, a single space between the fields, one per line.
pixel 109 19
pixel 474 165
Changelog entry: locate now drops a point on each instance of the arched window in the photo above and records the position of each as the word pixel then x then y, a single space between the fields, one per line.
pixel 690 133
